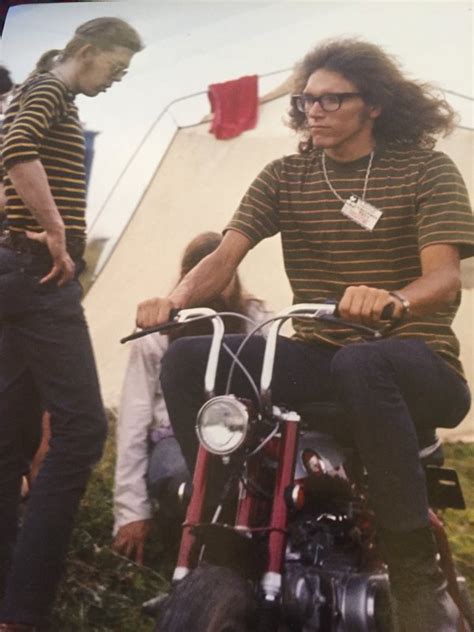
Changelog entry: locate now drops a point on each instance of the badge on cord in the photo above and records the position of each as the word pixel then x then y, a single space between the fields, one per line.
pixel 361 212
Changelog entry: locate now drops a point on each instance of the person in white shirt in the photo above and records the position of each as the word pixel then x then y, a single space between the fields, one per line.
pixel 150 465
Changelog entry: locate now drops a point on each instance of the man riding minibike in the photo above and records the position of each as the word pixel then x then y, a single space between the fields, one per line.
pixel 371 215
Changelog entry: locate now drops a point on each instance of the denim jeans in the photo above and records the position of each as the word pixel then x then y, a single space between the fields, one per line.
pixel 390 388
pixel 166 471
pixel 46 363
pixel 166 465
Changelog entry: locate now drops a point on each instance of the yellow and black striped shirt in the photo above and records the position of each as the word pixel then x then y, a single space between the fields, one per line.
pixel 42 123
pixel 423 200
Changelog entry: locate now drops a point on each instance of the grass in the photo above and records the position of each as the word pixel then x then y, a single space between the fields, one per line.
pixel 460 524
pixel 103 591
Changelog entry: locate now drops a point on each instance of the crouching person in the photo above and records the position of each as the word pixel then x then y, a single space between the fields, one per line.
pixel 150 465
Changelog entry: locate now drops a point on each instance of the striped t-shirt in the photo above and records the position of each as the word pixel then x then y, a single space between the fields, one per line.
pixel 423 201
pixel 42 123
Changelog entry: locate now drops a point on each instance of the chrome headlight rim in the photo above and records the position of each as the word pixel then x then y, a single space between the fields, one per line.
pixel 238 406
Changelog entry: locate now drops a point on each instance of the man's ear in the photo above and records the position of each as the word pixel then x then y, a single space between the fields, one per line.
pixel 375 111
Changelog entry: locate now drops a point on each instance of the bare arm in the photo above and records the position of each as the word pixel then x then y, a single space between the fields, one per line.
pixel 2 198
pixel 202 283
pixel 440 280
pixel 434 290
pixel 31 184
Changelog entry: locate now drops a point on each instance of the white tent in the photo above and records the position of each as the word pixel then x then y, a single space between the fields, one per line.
pixel 197 186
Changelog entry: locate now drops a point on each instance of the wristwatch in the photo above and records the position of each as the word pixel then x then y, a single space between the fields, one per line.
pixel 404 301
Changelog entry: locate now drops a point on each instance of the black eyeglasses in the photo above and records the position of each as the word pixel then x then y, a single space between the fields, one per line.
pixel 329 102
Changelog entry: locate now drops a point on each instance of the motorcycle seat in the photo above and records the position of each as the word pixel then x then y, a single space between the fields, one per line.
pixel 330 417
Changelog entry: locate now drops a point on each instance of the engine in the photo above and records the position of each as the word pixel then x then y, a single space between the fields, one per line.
pixel 333 579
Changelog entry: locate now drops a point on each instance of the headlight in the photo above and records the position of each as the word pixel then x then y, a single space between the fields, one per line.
pixel 222 424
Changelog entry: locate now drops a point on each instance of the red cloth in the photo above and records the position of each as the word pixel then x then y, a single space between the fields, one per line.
pixel 234 105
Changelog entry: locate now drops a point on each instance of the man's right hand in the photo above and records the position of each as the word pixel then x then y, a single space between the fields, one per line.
pixel 153 312
pixel 130 539
pixel 63 266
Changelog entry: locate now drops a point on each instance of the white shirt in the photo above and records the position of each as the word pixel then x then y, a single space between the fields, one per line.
pixel 142 407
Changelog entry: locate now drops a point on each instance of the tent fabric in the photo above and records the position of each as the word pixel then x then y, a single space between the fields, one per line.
pixel 234 105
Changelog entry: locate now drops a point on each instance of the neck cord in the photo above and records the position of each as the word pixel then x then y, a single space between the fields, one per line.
pixel 366 180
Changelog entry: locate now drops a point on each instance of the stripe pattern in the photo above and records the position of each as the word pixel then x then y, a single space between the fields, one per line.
pixel 42 123
pixel 423 200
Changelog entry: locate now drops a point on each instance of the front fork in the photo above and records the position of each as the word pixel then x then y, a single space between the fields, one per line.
pixel 272 578
pixel 193 515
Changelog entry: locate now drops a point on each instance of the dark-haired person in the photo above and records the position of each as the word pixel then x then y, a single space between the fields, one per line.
pixel 150 465
pixel 369 214
pixel 46 352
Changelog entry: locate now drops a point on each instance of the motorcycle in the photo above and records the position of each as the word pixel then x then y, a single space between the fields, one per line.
pixel 287 541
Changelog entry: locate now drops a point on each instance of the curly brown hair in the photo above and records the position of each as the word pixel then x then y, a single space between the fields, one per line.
pixel 412 113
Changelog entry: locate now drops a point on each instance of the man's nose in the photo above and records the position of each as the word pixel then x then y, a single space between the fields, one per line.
pixel 316 110
pixel 118 76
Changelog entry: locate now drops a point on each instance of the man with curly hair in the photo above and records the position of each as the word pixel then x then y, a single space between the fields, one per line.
pixel 369 214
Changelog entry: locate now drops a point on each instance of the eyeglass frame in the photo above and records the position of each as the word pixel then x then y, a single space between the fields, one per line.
pixel 341 97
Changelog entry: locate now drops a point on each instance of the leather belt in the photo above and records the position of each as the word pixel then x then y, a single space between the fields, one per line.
pixel 21 243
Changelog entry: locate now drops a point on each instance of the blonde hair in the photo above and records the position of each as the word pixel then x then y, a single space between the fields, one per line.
pixel 104 34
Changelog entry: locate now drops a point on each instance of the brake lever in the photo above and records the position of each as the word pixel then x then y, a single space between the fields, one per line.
pixel 170 324
pixel 355 326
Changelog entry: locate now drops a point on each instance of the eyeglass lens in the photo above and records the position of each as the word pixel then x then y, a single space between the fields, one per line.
pixel 328 102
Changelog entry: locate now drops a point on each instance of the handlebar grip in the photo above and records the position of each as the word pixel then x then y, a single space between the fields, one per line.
pixel 169 324
pixel 150 330
pixel 387 312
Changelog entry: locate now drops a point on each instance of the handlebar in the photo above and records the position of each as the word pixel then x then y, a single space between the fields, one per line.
pixel 179 317
pixel 314 311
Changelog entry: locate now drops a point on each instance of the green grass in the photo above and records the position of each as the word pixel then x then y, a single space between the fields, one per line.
pixel 102 591
pixel 460 524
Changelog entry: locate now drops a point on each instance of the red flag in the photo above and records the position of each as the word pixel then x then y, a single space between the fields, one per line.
pixel 234 105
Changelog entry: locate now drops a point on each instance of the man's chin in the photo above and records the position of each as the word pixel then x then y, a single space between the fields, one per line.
pixel 321 143
pixel 322 139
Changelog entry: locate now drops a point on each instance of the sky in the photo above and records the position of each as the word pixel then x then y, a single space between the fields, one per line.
pixel 192 44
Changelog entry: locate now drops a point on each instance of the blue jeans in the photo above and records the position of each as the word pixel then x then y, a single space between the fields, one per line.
pixel 392 389
pixel 47 363
pixel 166 471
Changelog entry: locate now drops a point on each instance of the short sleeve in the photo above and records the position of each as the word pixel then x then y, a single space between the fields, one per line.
pixel 41 105
pixel 444 214
pixel 257 216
